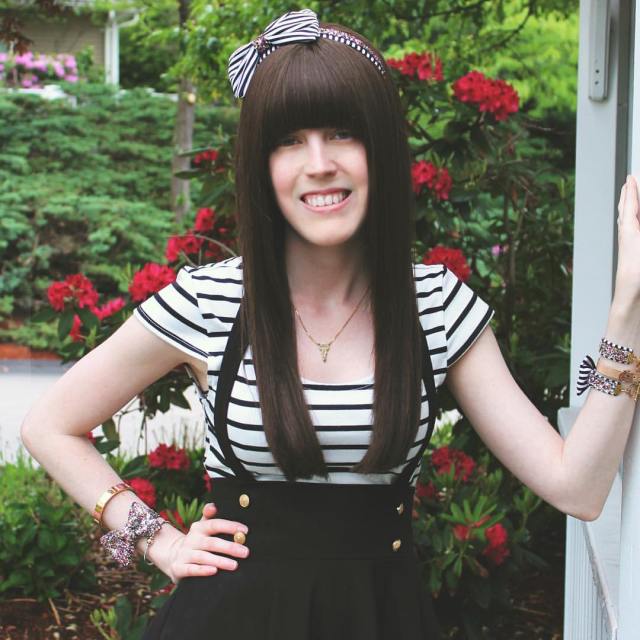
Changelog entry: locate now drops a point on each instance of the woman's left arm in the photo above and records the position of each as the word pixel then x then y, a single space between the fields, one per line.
pixel 573 474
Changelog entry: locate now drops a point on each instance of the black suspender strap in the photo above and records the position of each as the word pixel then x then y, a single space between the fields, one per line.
pixel 228 370
pixel 430 387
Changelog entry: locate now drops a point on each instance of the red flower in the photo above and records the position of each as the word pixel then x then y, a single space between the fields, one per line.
pixel 496 549
pixel 165 514
pixel 205 219
pixel 151 278
pixel 57 293
pixel 424 66
pixel 168 457
pixel 188 244
pixel 109 308
pixel 444 457
pixel 75 334
pixel 214 252
pixel 494 96
pixel 144 490
pixel 425 490
pixel 436 179
pixel 207 481
pixel 90 436
pixel 461 532
pixel 205 156
pixel 82 290
pixel 453 259
pixel 74 287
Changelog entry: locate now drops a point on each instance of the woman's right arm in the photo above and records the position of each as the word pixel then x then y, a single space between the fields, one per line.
pixel 89 393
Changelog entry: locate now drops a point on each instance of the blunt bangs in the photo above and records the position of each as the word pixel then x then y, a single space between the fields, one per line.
pixel 309 86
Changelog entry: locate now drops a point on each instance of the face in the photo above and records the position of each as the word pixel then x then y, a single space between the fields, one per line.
pixel 320 180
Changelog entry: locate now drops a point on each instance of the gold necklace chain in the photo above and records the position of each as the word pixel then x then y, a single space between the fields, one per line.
pixel 325 346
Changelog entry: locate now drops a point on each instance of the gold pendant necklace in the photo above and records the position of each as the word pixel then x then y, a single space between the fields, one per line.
pixel 325 346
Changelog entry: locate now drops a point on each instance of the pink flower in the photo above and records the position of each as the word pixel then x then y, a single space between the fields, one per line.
pixel 496 250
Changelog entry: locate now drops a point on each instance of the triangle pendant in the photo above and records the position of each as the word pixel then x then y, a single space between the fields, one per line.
pixel 324 350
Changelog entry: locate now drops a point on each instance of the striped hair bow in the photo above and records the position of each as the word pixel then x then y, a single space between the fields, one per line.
pixel 293 26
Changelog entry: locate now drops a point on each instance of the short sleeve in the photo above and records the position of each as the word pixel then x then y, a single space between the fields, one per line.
pixel 174 315
pixel 465 315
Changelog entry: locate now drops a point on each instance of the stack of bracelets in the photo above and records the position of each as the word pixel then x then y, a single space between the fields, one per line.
pixel 142 522
pixel 609 379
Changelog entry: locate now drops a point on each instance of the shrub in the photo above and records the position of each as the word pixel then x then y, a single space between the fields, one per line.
pixel 45 536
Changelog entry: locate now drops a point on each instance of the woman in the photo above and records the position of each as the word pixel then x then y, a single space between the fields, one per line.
pixel 313 474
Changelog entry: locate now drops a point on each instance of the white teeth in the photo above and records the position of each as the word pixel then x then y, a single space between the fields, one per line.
pixel 326 200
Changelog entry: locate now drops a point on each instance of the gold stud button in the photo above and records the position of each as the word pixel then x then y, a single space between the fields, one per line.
pixel 396 544
pixel 239 537
pixel 400 508
pixel 244 500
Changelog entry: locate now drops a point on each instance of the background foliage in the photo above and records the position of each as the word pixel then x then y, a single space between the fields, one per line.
pixel 84 184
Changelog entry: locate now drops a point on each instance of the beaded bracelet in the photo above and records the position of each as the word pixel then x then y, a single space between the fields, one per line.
pixel 617 353
pixel 614 384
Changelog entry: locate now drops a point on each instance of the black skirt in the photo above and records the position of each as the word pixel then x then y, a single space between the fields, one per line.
pixel 326 562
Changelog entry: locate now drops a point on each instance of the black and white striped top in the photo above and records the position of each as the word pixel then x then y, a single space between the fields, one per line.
pixel 195 314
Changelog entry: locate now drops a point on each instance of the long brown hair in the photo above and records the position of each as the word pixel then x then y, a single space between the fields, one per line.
pixel 315 85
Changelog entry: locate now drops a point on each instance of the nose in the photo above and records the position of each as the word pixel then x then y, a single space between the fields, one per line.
pixel 319 158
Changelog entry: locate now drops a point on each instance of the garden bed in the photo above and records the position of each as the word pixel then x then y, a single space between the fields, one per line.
pixel 537 602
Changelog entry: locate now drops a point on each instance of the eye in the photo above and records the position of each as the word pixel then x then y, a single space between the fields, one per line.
pixel 344 133
pixel 287 141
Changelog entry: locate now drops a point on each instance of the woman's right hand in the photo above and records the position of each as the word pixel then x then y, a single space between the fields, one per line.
pixel 197 553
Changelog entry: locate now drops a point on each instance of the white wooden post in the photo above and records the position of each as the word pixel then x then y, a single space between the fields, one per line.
pixel 593 602
pixel 112 50
pixel 630 518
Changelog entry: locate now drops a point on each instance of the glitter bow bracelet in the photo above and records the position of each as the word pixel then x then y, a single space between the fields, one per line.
pixel 142 522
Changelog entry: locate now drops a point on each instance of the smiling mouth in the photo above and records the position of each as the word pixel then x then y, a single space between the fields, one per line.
pixel 320 201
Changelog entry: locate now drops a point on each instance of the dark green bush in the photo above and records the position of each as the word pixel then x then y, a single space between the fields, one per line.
pixel 45 536
pixel 84 186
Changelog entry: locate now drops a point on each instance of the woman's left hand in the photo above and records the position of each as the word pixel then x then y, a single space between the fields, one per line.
pixel 627 286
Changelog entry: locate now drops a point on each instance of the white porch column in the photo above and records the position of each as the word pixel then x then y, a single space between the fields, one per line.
pixel 630 518
pixel 111 50
pixel 592 571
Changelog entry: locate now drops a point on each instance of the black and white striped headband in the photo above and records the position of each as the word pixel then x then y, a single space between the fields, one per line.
pixel 294 26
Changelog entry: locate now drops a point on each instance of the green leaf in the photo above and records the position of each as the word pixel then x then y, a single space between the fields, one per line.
pixel 109 430
pixel 188 174
pixel 45 314
pixel 65 323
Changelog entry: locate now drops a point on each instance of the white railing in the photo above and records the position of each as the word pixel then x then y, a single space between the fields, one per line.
pixel 592 566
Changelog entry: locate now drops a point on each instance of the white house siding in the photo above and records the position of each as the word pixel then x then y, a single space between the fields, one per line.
pixel 69 36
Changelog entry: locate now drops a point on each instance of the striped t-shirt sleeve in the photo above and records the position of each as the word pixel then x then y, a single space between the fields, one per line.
pixel 465 315
pixel 173 314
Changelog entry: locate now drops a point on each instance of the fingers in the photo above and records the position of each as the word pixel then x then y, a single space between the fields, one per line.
pixel 209 511
pixel 213 526
pixel 199 553
pixel 211 543
pixel 629 203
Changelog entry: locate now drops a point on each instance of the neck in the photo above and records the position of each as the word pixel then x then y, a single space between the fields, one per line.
pixel 325 277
